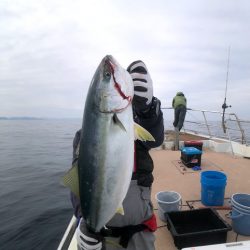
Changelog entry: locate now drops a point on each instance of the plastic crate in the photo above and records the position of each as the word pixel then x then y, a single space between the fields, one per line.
pixel 197 227
pixel 191 156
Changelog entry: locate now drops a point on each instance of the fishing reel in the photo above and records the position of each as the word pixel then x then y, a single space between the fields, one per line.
pixel 225 106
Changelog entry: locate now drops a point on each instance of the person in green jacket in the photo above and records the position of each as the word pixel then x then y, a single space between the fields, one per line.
pixel 180 108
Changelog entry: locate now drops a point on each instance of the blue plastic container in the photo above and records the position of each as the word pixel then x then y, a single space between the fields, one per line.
pixel 241 201
pixel 191 151
pixel 241 213
pixel 213 185
pixel 191 156
pixel 240 221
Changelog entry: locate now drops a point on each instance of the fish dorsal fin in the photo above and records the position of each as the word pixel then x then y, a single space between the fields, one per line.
pixel 70 180
pixel 117 121
pixel 142 134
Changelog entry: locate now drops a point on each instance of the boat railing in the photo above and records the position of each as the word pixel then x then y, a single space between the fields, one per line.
pixel 212 124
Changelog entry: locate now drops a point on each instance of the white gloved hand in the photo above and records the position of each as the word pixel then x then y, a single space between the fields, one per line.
pixel 87 240
pixel 143 85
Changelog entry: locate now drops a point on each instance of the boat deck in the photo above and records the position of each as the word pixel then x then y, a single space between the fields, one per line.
pixel 170 175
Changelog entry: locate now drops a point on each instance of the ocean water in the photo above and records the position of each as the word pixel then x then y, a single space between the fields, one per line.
pixel 34 207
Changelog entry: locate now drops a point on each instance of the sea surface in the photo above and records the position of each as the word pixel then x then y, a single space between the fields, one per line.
pixel 34 207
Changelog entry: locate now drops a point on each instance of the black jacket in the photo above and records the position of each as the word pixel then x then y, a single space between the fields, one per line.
pixel 152 121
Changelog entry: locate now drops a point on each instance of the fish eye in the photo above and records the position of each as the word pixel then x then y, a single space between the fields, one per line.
pixel 107 74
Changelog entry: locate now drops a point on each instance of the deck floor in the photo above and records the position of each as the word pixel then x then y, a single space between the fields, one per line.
pixel 169 177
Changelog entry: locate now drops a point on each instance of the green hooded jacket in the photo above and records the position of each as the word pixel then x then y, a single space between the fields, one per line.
pixel 179 99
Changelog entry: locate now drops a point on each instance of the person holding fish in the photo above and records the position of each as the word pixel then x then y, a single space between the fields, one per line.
pixel 133 227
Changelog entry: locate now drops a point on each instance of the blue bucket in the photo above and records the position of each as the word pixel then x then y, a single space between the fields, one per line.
pixel 241 213
pixel 213 185
pixel 241 201
pixel 240 221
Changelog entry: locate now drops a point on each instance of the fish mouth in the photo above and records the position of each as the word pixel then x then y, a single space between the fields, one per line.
pixel 111 66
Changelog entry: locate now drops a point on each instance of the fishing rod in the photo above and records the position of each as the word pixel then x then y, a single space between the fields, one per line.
pixel 224 105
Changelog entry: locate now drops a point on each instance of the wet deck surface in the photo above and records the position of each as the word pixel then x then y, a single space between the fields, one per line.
pixel 168 177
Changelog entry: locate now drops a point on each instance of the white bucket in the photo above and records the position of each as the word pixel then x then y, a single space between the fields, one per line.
pixel 168 201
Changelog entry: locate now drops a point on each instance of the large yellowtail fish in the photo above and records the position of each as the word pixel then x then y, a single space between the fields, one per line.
pixel 106 155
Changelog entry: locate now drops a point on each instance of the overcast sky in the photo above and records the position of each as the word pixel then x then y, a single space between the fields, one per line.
pixel 50 49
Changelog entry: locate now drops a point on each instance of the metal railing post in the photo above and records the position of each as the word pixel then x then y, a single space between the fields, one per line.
pixel 208 129
pixel 243 138
pixel 229 138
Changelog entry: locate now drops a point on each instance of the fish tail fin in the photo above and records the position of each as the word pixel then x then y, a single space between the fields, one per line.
pixel 142 134
pixel 70 180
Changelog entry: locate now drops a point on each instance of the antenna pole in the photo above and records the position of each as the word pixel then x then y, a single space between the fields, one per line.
pixel 227 72
pixel 224 105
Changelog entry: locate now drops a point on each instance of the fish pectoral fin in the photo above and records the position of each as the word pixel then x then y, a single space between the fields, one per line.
pixel 117 121
pixel 70 180
pixel 120 210
pixel 142 134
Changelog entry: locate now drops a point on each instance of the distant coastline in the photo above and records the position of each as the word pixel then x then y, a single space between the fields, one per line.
pixel 20 118
pixel 37 118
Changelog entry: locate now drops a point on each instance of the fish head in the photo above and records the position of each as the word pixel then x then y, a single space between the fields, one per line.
pixel 114 86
